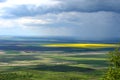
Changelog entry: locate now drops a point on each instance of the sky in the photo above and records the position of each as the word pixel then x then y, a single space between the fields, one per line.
pixel 82 19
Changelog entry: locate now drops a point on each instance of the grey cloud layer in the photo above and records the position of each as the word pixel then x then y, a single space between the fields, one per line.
pixel 92 5
pixel 86 19
pixel 65 6
pixel 99 25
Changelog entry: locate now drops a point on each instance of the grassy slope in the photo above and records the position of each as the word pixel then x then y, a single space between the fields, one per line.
pixel 52 66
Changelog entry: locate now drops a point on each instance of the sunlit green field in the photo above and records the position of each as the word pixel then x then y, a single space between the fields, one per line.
pixel 52 65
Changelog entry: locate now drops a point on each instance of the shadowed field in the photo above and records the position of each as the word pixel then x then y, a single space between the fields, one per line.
pixel 52 65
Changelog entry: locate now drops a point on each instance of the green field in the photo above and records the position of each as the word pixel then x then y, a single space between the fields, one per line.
pixel 52 65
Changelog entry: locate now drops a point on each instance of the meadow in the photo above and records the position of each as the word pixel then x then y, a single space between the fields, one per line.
pixel 52 65
pixel 47 59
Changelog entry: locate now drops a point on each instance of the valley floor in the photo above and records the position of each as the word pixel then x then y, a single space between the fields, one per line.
pixel 52 65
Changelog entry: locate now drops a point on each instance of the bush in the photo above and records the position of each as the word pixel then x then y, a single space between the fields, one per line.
pixel 113 72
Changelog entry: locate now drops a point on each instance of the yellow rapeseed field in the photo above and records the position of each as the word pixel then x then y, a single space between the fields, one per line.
pixel 80 45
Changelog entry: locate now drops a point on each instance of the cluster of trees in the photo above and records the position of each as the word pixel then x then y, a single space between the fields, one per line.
pixel 113 72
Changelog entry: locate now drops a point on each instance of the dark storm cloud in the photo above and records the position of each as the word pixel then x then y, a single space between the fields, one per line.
pixel 94 26
pixel 91 5
pixel 28 10
pixel 65 6
pixel 83 19
pixel 19 11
